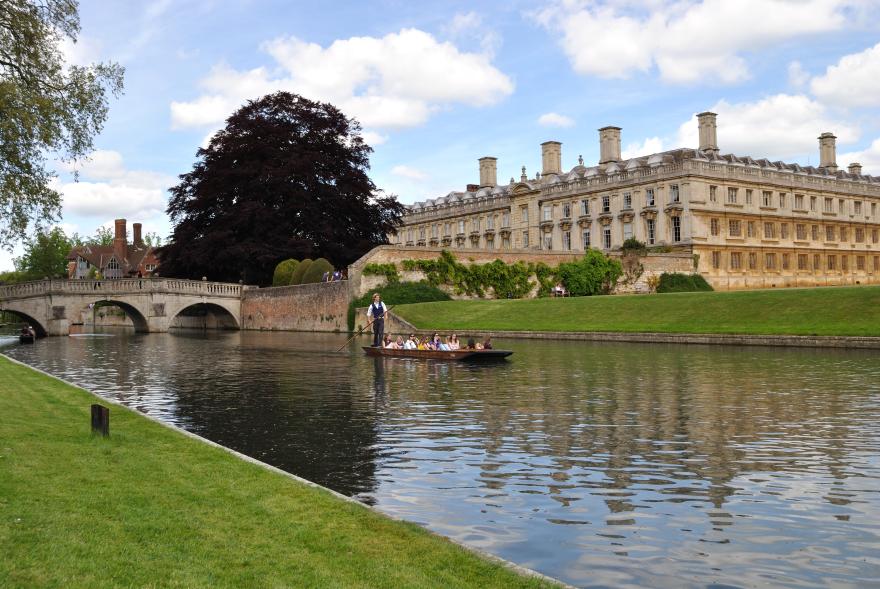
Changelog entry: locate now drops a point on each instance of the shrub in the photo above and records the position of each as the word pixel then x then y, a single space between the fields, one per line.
pixel 283 272
pixel 399 293
pixel 634 244
pixel 316 271
pixel 594 274
pixel 389 271
pixel 503 280
pixel 675 282
pixel 297 276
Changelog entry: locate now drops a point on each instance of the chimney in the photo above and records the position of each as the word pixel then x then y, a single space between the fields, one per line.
pixel 609 145
pixel 136 234
pixel 708 131
pixel 120 247
pixel 855 168
pixel 551 158
pixel 828 152
pixel 488 171
pixel 471 187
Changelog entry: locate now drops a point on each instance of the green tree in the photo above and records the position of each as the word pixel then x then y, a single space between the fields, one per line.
pixel 47 108
pixel 152 239
pixel 316 271
pixel 593 274
pixel 102 236
pixel 299 271
pixel 45 255
pixel 284 272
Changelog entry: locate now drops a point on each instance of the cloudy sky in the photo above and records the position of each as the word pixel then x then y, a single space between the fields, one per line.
pixel 436 85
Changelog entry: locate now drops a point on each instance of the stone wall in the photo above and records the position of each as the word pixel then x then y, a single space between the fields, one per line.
pixel 306 307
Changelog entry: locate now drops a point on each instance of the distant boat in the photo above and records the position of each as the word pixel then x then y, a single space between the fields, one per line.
pixel 464 354
pixel 27 338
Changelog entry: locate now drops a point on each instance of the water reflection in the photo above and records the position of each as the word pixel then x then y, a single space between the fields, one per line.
pixel 602 464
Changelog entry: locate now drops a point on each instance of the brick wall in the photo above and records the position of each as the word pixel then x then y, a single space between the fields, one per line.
pixel 307 307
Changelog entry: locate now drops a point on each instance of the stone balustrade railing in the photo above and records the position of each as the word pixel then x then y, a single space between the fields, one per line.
pixel 123 286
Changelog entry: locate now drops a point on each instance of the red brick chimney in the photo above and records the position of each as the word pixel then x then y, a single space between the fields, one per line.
pixel 136 228
pixel 120 247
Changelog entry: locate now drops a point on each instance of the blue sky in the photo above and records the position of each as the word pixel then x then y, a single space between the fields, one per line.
pixel 437 85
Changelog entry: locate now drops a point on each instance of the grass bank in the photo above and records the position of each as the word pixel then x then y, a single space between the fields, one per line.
pixel 851 311
pixel 151 507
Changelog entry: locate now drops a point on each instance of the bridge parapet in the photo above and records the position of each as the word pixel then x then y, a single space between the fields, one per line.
pixel 122 286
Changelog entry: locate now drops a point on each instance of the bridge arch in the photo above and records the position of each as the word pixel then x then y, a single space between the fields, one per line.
pixel 26 318
pixel 137 316
pixel 203 315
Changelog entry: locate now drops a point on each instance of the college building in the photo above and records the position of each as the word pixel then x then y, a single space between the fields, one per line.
pixel 749 223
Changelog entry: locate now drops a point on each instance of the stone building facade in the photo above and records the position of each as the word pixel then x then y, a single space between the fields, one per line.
pixel 750 223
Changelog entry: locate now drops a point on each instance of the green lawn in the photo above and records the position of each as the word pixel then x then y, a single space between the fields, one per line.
pixel 816 311
pixel 149 507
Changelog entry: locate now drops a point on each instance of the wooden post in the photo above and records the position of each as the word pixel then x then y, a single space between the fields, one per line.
pixel 101 420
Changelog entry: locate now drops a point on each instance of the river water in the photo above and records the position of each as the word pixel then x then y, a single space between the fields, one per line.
pixel 601 464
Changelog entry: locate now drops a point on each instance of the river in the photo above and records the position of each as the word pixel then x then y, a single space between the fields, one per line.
pixel 601 464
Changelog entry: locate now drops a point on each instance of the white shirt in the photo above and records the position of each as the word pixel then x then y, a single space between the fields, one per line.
pixel 370 309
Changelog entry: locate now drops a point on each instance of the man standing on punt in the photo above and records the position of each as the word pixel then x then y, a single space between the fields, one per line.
pixel 377 311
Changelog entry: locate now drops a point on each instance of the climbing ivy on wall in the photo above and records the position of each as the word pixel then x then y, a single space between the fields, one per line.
pixel 389 271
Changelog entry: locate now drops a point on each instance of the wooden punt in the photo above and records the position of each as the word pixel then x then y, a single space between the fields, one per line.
pixel 26 338
pixel 469 355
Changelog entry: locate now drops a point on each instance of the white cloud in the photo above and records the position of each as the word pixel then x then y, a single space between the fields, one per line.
pixel 373 139
pixel 777 127
pixel 107 187
pixel 853 81
pixel 869 158
pixel 85 51
pixel 392 82
pixel 552 119
pixel 464 22
pixel 797 76
pixel 648 146
pixel 687 41
pixel 408 172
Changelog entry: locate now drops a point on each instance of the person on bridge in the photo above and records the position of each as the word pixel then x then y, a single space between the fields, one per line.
pixel 377 311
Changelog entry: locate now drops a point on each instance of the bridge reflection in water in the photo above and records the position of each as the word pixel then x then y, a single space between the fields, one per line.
pixel 625 465
pixel 52 306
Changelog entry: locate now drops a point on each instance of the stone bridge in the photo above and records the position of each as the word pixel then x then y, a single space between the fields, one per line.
pixel 153 304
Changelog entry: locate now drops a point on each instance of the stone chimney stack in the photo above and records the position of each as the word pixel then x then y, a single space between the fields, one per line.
pixel 708 131
pixel 120 246
pixel 136 235
pixel 488 171
pixel 551 158
pixel 828 152
pixel 855 168
pixel 609 145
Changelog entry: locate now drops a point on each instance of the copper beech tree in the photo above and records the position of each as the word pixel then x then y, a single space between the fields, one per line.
pixel 286 178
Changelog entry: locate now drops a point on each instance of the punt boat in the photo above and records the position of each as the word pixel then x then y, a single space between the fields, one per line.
pixel 465 354
pixel 27 338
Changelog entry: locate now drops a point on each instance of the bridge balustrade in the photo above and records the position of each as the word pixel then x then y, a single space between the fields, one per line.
pixel 121 286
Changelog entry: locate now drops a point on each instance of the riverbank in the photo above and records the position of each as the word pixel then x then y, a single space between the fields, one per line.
pixel 831 312
pixel 150 506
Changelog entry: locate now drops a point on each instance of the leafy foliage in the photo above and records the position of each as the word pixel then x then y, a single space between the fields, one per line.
pixel 594 274
pixel 389 271
pixel 399 293
pixel 284 272
pixel 634 244
pixel 675 282
pixel 300 271
pixel 316 271
pixel 46 107
pixel 45 256
pixel 502 280
pixel 286 178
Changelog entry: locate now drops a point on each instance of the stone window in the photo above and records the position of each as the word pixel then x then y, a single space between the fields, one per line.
pixel 548 213
pixel 525 239
pixel 735 260
pixel 786 261
pixel 566 240
pixel 490 222
pixel 714 226
pixel 832 262
pixel 860 263
pixel 873 209
pixel 627 231
pixel 505 219
pixel 768 199
pixel 566 211
pixel 649 197
pixel 716 260
pixel 753 261
pixel 734 228
pixel 409 234
pixel 606 204
pixel 844 234
pixel 461 226
pixel 829 205
pixel 800 231
pixel 435 230
pixel 814 232
pixel 782 197
pixel 505 243
pixel 750 229
pixel 770 261
pixel 841 206
pixel 731 195
pixel 627 200
pixel 673 193
pixel 783 230
pixel 548 241
pixel 713 193
pixel 524 214
pixel 844 263
pixel 447 229
pixel 860 235
pixel 585 207
pixel 813 203
pixel 769 230
pixel 650 225
pixel 876 263
pixel 586 238
pixel 799 201
pixel 817 262
pixel 857 207
pixel 802 262
pixel 676 229
pixel 748 196
pixel 875 236
pixel 829 232
pixel 606 238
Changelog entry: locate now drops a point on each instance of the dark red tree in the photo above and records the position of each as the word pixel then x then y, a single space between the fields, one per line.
pixel 286 178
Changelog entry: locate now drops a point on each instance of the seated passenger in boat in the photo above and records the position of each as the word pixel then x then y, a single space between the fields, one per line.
pixel 399 343
pixel 487 343
pixel 472 344
pixel 387 343
pixel 453 342
pixel 423 344
pixel 444 346
pixel 411 343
